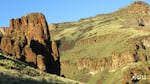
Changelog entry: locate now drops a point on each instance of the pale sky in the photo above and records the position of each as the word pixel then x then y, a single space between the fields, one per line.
pixel 57 11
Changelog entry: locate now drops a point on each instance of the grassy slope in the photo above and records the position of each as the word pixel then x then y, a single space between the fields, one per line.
pixel 119 28
pixel 100 27
pixel 13 71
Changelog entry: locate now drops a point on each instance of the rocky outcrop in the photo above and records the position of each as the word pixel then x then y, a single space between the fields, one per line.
pixel 146 42
pixel 93 65
pixel 3 30
pixel 6 45
pixel 121 59
pixel 28 39
pixel 33 26
pixel 138 7
pixel 139 52
pixel 140 49
pixel 113 62
pixel 135 74
pixel 144 21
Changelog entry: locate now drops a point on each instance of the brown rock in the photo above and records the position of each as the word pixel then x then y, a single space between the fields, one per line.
pixel 40 62
pixel 132 73
pixel 129 73
pixel 2 32
pixel 93 65
pixel 33 25
pixel 54 50
pixel 120 59
pixel 6 45
pixel 139 49
pixel 144 21
pixel 17 51
pixel 30 56
pixel 138 7
pixel 28 39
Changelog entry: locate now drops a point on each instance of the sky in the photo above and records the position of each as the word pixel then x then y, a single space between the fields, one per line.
pixel 57 11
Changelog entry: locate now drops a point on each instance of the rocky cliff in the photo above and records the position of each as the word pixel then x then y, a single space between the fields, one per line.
pixel 28 39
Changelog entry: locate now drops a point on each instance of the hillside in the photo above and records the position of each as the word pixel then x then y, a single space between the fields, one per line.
pixel 13 71
pixel 107 48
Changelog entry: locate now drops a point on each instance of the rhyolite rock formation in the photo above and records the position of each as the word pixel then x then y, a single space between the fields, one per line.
pixel 28 39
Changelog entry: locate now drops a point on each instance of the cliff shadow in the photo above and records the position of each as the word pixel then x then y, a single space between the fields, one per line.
pixel 52 66
pixel 58 43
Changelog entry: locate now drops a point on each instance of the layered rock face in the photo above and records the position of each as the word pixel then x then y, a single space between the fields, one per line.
pixel 28 39
pixel 139 53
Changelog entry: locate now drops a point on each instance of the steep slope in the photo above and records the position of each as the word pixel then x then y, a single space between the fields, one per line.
pixel 106 49
pixel 13 71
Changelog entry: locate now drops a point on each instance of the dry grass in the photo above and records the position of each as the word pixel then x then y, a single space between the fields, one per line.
pixel 15 72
